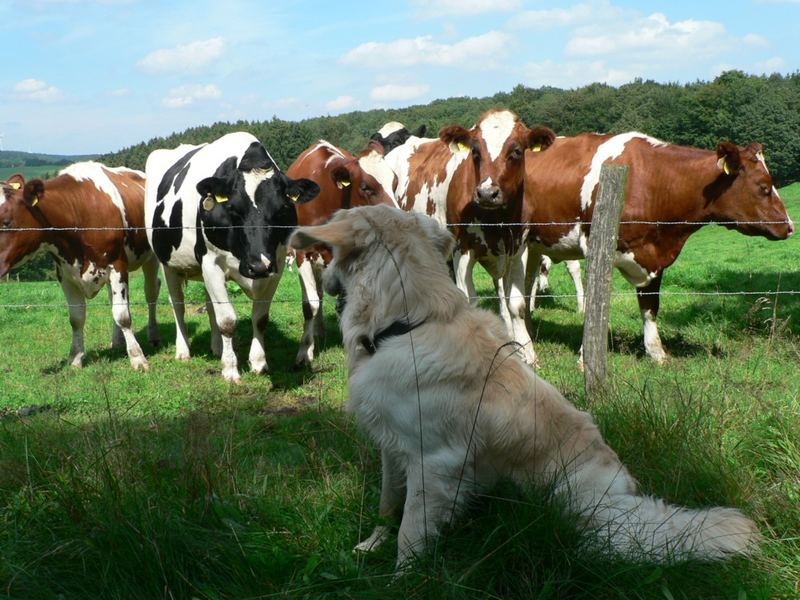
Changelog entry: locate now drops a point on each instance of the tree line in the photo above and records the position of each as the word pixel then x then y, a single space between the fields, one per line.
pixel 735 106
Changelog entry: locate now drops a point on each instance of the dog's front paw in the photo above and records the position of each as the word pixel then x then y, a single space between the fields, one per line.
pixel 378 536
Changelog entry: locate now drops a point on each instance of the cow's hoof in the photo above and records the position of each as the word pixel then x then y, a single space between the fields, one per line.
pixel 231 376
pixel 182 356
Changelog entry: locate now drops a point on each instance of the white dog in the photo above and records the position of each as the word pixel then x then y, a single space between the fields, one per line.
pixel 452 407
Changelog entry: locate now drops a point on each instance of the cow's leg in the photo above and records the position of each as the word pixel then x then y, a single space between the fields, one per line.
pixel 214 278
pixel 118 284
pixel 513 283
pixel 649 299
pixel 574 268
pixel 176 299
pixel 216 337
pixel 532 264
pixel 542 281
pixel 312 311
pixel 152 286
pixel 463 265
pixel 76 304
pixel 393 491
pixel 260 317
pixel 117 339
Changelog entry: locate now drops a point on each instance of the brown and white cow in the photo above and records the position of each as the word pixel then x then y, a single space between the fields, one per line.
pixel 90 218
pixel 345 181
pixel 672 191
pixel 472 179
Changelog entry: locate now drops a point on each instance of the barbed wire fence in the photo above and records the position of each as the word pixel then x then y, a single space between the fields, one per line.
pixel 163 301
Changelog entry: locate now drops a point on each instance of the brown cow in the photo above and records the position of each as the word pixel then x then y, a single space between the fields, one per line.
pixel 672 191
pixel 473 180
pixel 344 181
pixel 91 220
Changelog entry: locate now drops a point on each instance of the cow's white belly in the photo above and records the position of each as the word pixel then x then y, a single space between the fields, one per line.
pixel 89 280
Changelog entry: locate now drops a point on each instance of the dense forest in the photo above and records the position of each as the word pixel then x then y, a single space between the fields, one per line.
pixel 13 159
pixel 735 106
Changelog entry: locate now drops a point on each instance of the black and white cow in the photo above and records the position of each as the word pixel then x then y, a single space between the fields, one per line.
pixel 395 134
pixel 222 211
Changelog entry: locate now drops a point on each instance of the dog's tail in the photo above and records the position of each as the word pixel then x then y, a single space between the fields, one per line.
pixel 646 528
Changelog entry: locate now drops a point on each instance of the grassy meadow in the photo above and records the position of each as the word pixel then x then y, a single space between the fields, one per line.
pixel 174 484
pixel 30 172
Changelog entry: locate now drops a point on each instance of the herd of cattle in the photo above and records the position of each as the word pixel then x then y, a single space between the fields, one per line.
pixel 511 195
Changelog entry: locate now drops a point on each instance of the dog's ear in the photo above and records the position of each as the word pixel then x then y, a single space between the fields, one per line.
pixel 441 239
pixel 338 234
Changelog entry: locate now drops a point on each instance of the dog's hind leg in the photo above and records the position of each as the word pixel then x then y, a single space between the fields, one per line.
pixel 393 492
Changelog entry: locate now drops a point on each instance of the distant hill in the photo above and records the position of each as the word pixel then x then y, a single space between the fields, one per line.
pixel 10 159
pixel 735 106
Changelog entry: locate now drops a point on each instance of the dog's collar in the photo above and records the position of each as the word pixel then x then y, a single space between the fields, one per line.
pixel 397 328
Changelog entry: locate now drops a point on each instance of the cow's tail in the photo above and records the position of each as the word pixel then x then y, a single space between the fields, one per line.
pixel 645 528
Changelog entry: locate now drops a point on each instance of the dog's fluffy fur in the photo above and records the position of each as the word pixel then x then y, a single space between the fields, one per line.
pixel 452 409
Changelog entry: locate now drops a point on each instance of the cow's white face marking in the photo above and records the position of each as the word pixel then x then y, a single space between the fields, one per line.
pixel 96 173
pixel 2 197
pixel 495 130
pixel 266 261
pixel 486 183
pixel 609 150
pixel 390 128
pixel 252 179
pixel 375 164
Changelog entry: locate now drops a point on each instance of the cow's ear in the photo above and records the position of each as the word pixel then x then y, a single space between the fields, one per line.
pixel 420 131
pixel 213 191
pixel 341 172
pixel 337 234
pixel 300 191
pixel 256 157
pixel 540 138
pixel 457 137
pixel 16 181
pixel 33 192
pixel 730 159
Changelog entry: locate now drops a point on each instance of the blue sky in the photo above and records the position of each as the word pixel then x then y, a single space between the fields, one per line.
pixel 84 76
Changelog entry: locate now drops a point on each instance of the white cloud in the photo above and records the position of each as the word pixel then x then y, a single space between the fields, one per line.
pixel 575 74
pixel 35 89
pixel 554 17
pixel 341 103
pixel 188 57
pixel 436 8
pixel 771 65
pixel 753 39
pixel 654 35
pixel 477 51
pixel 393 92
pixel 186 95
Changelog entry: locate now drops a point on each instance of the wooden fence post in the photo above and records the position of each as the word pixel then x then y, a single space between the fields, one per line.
pixel 599 265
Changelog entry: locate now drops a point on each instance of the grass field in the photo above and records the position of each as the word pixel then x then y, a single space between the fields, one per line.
pixel 174 484
pixel 30 172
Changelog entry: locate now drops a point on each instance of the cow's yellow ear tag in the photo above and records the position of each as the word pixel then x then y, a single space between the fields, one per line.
pixel 536 148
pixel 208 203
pixel 296 197
pixel 462 146
pixel 723 164
pixel 221 198
pixel 342 183
pixel 35 201
pixel 15 185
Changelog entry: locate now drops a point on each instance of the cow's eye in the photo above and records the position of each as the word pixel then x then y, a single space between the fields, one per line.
pixel 366 190
pixel 7 223
pixel 515 154
pixel 765 189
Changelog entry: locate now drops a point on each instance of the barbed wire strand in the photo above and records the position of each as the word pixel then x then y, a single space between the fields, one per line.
pixel 75 229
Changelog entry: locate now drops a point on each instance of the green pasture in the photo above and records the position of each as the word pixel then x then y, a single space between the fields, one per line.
pixel 30 172
pixel 174 484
